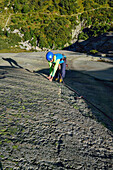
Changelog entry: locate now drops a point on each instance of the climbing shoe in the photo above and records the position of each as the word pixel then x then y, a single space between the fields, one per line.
pixel 56 79
pixel 60 81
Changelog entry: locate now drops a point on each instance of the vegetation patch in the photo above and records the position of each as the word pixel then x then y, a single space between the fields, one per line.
pixel 49 24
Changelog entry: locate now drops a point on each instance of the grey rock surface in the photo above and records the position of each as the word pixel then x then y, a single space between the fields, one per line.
pixel 44 125
pixel 100 68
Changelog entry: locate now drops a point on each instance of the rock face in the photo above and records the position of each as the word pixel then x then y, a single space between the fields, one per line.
pixel 102 44
pixel 42 126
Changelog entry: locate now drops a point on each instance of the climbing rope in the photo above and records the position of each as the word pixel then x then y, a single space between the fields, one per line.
pixel 86 100
pixel 11 60
pixel 79 96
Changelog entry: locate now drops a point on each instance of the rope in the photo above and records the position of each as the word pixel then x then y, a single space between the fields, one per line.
pixel 86 100
pixel 69 89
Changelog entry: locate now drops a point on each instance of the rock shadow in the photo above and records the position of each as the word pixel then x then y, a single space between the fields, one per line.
pixel 4 71
pixel 101 44
pixel 1 167
pixel 97 92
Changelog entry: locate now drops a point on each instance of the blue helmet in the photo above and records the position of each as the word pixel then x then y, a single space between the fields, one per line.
pixel 49 56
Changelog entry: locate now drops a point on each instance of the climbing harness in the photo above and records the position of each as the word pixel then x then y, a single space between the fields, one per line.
pixel 63 58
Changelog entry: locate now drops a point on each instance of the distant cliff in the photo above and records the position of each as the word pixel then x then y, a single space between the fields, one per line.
pixel 101 45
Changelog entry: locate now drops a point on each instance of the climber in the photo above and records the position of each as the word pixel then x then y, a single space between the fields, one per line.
pixel 57 64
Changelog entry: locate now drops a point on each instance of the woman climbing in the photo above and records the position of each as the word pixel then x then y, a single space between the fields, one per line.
pixel 57 65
